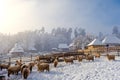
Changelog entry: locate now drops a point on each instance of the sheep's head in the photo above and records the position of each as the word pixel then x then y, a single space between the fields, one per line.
pixel 20 61
pixel 107 54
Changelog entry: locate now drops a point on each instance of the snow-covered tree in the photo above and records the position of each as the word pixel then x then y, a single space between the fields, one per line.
pixel 100 36
pixel 115 30
pixel 82 41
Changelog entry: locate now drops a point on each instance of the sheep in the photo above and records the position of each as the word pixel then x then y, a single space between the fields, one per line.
pixel 68 60
pixel 79 58
pixel 4 66
pixel 90 57
pixel 18 62
pixel 22 67
pixel 74 57
pixel 43 66
pixel 29 65
pixel 37 58
pixel 55 63
pixel 97 55
pixel 32 64
pixel 111 57
pixel 83 56
pixel 14 69
pixel 43 61
pixel 25 72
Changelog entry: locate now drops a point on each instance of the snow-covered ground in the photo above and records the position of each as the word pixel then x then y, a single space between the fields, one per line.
pixel 100 69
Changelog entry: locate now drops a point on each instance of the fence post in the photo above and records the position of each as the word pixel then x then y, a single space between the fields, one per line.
pixel 9 59
pixel 20 58
pixel 31 57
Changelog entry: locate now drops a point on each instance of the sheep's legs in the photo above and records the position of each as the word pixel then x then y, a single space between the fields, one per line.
pixel 8 74
pixel 1 68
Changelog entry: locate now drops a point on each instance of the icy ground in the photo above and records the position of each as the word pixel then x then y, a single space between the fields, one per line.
pixel 100 69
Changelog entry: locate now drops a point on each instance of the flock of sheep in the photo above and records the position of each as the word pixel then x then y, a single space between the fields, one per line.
pixel 43 65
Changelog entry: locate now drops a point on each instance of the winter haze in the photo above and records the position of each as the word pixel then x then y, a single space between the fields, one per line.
pixel 92 15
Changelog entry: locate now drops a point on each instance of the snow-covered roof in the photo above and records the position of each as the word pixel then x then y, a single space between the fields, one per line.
pixel 63 46
pixel 95 42
pixel 111 39
pixel 72 44
pixel 17 48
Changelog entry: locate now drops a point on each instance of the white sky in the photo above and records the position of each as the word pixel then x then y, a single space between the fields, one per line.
pixel 21 15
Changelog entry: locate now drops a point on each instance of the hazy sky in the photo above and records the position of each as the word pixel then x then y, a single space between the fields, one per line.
pixel 93 15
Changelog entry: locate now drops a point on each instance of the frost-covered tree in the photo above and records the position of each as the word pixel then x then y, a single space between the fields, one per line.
pixel 82 41
pixel 75 32
pixel 100 36
pixel 79 31
pixel 115 30
pixel 42 40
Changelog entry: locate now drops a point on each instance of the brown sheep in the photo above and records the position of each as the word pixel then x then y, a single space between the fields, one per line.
pixel 43 66
pixel 111 57
pixel 79 58
pixel 31 65
pixel 97 55
pixel 55 63
pixel 37 58
pixel 25 72
pixel 83 56
pixel 89 57
pixel 43 61
pixel 14 69
pixel 73 57
pixel 19 62
pixel 4 66
pixel 22 67
pixel 68 60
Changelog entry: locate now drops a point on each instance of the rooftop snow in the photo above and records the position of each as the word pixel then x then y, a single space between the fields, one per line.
pixel 63 46
pixel 17 48
pixel 111 39
pixel 72 44
pixel 95 42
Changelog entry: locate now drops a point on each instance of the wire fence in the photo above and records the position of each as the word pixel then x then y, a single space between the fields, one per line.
pixel 31 57
pixel 25 58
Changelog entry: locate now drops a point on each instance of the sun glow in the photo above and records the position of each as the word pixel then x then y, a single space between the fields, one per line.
pixel 5 16
pixel 2 11
pixel 20 15
pixel 13 14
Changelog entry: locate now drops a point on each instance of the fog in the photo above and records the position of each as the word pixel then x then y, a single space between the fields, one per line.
pixel 94 16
